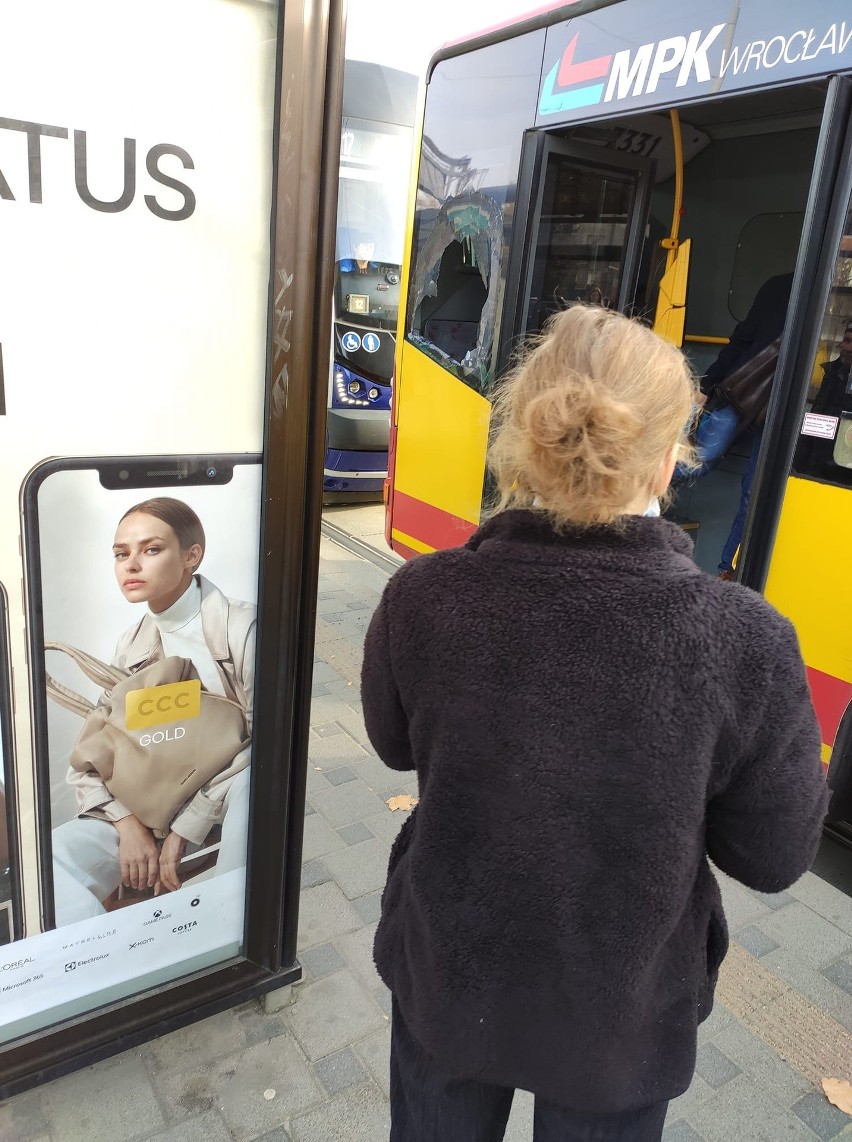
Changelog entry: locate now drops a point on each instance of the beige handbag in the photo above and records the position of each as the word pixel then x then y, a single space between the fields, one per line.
pixel 156 737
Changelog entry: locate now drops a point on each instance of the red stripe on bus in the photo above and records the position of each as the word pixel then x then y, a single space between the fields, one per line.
pixel 401 549
pixel 429 524
pixel 830 696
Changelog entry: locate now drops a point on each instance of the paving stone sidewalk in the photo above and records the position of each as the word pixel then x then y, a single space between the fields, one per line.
pixel 317 1070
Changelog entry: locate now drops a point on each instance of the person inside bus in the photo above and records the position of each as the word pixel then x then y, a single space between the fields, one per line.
pixel 721 425
pixel 361 262
pixel 817 455
pixel 590 717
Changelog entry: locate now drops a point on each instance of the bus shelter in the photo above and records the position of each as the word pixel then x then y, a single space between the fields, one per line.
pixel 168 180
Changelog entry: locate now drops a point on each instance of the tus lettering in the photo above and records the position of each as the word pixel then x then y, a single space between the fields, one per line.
pixel 36 132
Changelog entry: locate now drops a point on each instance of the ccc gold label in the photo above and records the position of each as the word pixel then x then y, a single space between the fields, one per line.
pixel 159 705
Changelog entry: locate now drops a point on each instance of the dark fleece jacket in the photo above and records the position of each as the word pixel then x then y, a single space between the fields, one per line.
pixel 590 717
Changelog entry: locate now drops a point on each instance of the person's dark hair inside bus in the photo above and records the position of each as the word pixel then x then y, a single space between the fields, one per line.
pixel 722 424
pixel 592 719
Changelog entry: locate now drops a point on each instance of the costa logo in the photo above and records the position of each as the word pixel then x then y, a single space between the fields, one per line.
pixel 160 705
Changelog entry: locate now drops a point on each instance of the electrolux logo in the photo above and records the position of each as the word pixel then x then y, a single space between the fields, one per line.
pixel 74 964
pixel 635 72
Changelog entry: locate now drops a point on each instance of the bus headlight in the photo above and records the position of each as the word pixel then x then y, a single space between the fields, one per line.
pixel 345 388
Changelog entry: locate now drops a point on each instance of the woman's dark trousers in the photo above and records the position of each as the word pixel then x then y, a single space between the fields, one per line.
pixel 430 1106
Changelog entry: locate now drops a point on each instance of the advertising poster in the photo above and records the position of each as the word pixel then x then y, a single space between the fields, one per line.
pixel 136 145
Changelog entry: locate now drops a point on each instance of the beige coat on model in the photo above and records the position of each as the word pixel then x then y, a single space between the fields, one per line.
pixel 229 631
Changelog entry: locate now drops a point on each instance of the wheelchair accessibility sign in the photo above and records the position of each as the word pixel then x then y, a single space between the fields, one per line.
pixel 371 342
pixel 352 342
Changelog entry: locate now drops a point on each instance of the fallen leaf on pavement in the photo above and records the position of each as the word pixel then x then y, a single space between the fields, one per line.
pixel 839 1093
pixel 404 801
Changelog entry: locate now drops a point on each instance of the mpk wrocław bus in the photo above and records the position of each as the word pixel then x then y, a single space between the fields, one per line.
pixel 666 160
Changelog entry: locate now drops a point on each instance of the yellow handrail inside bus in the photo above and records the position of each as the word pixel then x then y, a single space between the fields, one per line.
pixel 670 317
pixel 701 339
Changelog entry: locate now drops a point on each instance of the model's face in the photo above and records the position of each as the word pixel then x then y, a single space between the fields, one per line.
pixel 149 564
pixel 364 251
pixel 846 348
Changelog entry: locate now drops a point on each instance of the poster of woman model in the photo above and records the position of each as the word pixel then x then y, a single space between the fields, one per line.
pixel 147 600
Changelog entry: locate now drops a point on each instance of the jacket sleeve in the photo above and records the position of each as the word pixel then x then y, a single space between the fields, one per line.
pixel 207 807
pixel 763 827
pixel 384 715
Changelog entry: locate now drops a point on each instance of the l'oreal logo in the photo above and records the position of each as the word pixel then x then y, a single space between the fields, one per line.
pixel 160 705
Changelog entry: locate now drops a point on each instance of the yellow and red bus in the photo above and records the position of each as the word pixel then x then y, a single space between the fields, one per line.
pixel 666 160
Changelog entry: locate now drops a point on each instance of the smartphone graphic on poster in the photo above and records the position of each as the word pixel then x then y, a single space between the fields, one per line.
pixel 10 899
pixel 141 589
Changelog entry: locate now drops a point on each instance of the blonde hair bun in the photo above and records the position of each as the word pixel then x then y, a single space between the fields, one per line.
pixel 582 425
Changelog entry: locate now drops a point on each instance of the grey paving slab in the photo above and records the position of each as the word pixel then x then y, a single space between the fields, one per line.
pixel 324 912
pixel 223 1034
pixel 259 1027
pixel 255 1090
pixel 339 749
pixel 319 838
pixel 209 1127
pixel 369 907
pixel 373 772
pixel 718 1019
pixel 351 802
pixel 374 1051
pixel 22 1119
pixel 355 833
pixel 774 900
pixel 840 974
pixel 322 960
pixel 680 1131
pixel 386 824
pixel 741 1110
pixel 755 941
pixel 315 780
pixel 742 907
pixel 104 1103
pixel 807 980
pixel 360 869
pixel 691 1100
pixel 714 1066
pixel 338 1071
pixel 332 1013
pixel 340 775
pixel 772 1074
pixel 357 1115
pixel 279 1134
pixel 811 937
pixel 824 899
pixel 384 999
pixel 520 1124
pixel 357 950
pixel 826 1120
pixel 314 872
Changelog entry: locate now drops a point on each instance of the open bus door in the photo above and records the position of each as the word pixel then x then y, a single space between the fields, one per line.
pixel 587 228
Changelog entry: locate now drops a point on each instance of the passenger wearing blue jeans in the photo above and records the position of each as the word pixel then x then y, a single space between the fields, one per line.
pixel 721 425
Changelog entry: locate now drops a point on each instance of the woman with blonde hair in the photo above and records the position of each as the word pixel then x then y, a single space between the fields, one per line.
pixel 591 718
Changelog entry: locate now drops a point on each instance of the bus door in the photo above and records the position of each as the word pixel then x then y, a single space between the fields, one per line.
pixel 587 228
pixel 807 467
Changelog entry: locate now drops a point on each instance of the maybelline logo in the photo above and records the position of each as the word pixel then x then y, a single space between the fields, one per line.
pixel 89 939
pixel 32 135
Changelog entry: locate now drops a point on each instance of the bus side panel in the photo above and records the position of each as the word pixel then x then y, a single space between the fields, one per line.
pixel 440 457
pixel 810 568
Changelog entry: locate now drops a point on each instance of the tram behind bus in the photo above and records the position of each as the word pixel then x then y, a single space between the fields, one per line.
pixel 665 160
pixel 375 159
